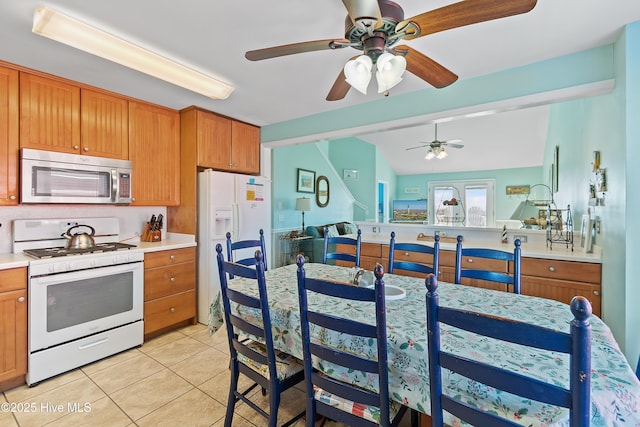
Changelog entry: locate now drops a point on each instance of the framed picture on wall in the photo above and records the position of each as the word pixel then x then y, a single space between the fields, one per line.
pixel 306 181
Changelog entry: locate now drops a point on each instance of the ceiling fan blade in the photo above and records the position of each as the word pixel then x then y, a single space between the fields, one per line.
pixel 339 89
pixel 463 13
pixel 426 68
pixel 363 12
pixel 419 146
pixel 291 49
pixel 453 143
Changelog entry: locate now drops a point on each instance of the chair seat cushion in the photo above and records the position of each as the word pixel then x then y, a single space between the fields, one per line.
pixel 371 413
pixel 286 365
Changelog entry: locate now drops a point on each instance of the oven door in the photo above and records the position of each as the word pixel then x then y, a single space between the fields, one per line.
pixel 67 306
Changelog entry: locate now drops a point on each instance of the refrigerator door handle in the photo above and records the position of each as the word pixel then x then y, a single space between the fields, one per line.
pixel 236 221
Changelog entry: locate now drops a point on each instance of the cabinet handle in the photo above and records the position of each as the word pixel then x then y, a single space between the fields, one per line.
pixel 173 279
pixel 172 257
pixel 406 254
pixel 85 149
pixel 21 299
pixel 172 309
pixel 596 292
pixel 76 147
pixel 12 197
pixel 552 269
pixel 469 260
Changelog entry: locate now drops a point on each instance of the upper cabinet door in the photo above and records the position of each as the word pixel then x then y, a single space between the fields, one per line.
pixel 214 140
pixel 9 143
pixel 245 148
pixel 104 125
pixel 154 137
pixel 49 114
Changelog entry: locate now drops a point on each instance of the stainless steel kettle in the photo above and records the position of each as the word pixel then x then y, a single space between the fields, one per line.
pixel 79 240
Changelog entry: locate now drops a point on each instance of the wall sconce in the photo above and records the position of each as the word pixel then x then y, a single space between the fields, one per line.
pixel 303 204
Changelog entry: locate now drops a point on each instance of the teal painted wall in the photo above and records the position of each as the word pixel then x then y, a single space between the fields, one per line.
pixel 504 204
pixel 285 162
pixel 354 153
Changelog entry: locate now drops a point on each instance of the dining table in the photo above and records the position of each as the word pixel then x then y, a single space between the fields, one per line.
pixel 615 390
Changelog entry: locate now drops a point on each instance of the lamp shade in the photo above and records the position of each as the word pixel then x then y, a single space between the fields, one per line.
pixel 390 69
pixel 525 210
pixel 430 155
pixel 442 154
pixel 303 204
pixel 358 73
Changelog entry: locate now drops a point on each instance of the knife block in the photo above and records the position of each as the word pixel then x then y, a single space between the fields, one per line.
pixel 148 235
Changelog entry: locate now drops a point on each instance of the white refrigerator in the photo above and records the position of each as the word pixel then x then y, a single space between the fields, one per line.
pixel 227 202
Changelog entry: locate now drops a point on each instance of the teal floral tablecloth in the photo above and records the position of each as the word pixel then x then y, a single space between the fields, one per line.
pixel 615 391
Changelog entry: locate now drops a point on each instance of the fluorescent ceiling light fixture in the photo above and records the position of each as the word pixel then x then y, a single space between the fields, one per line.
pixel 64 29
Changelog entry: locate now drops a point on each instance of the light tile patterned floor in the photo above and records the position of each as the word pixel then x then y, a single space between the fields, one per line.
pixel 178 379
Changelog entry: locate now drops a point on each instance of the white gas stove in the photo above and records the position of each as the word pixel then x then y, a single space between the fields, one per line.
pixel 84 304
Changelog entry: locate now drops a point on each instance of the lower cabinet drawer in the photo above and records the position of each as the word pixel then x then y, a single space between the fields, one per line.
pixel 163 312
pixel 563 270
pixel 164 281
pixel 562 290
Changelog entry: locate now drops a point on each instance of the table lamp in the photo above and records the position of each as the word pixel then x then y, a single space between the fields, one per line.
pixel 303 204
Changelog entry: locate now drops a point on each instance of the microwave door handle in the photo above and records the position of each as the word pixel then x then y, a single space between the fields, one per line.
pixel 114 185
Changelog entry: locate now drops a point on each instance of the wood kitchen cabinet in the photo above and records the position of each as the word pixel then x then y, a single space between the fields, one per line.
pixel 9 136
pixel 447 270
pixel 13 327
pixel 49 114
pixel 154 150
pixel 104 130
pixel 220 142
pixel 562 280
pixel 370 255
pixel 169 288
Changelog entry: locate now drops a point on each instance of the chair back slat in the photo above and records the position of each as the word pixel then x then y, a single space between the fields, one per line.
pixel 341 324
pixel 511 279
pixel 414 248
pixel 317 320
pixel 330 242
pixel 576 343
pixel 344 359
pixel 242 327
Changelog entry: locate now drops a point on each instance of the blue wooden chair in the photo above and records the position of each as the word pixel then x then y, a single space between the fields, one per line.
pixel 510 281
pixel 246 244
pixel 274 371
pixel 414 249
pixel 341 256
pixel 577 344
pixel 337 400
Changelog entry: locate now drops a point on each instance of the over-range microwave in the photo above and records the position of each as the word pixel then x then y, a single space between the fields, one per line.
pixel 51 177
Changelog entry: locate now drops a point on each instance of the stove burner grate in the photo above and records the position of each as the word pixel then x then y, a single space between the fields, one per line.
pixel 62 251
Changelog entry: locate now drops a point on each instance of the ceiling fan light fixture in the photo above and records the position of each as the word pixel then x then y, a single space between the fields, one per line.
pixel 430 155
pixel 390 69
pixel 357 73
pixel 72 32
pixel 442 154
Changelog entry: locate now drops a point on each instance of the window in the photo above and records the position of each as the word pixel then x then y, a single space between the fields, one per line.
pixel 462 203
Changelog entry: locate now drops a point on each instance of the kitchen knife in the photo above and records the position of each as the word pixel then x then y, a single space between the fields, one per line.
pixel 152 222
pixel 159 222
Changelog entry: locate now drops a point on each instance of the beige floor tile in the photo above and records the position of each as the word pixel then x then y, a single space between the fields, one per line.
pixel 192 329
pixel 56 403
pixel 218 386
pixel 238 421
pixel 25 392
pixel 161 340
pixel 206 338
pixel 125 373
pixel 110 361
pixel 6 414
pixel 103 412
pixel 193 408
pixel 149 394
pixel 202 367
pixel 177 351
pixel 292 402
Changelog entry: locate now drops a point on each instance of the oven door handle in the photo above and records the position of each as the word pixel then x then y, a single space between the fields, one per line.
pixel 93 344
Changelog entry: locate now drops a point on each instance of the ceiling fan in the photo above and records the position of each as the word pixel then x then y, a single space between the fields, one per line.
pixel 437 148
pixel 375 26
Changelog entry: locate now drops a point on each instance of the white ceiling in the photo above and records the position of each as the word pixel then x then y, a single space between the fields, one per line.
pixel 213 35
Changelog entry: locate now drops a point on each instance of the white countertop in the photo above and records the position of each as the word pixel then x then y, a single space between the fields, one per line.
pixel 531 250
pixel 171 241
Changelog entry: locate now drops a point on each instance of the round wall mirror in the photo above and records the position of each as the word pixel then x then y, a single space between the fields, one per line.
pixel 322 191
